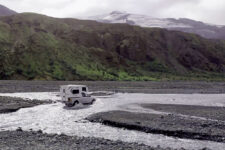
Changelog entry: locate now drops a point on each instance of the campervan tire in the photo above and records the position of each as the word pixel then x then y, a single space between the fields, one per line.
pixel 76 102
pixel 92 101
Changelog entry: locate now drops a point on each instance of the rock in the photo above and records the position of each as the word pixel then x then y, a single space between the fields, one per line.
pixel 39 131
pixel 19 129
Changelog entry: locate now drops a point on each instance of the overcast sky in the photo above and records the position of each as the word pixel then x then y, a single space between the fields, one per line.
pixel 211 11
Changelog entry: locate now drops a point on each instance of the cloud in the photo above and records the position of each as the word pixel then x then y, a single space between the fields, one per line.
pixel 204 10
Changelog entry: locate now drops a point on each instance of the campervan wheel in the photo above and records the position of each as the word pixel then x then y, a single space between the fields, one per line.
pixel 76 103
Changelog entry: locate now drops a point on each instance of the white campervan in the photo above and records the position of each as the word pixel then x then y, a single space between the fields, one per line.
pixel 75 94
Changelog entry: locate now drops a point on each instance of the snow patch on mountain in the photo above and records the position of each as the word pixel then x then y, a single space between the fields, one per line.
pixel 141 20
pixel 205 30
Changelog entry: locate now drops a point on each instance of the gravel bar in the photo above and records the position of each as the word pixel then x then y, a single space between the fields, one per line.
pixel 208 112
pixel 12 104
pixel 166 124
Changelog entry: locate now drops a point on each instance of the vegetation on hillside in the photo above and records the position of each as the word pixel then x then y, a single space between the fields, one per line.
pixel 38 47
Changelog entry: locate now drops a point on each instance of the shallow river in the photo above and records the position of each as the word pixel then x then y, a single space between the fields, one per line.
pixel 55 118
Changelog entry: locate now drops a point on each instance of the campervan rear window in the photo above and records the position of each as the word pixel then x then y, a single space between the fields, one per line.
pixel 84 89
pixel 75 91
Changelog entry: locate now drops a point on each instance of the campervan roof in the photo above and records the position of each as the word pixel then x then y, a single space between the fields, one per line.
pixel 73 85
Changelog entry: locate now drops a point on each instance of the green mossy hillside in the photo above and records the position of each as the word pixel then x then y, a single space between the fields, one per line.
pixel 38 47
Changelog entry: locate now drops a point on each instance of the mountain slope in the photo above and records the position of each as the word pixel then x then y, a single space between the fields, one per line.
pixel 184 25
pixel 34 46
pixel 4 11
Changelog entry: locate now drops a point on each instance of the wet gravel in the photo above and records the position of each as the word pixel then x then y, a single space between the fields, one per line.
pixel 166 124
pixel 214 113
pixel 22 140
pixel 10 104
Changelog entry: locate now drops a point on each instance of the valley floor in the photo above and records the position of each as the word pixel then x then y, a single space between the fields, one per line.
pixel 192 122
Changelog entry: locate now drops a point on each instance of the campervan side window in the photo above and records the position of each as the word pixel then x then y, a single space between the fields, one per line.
pixel 84 89
pixel 75 91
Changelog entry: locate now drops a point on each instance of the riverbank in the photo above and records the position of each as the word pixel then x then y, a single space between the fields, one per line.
pixel 164 87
